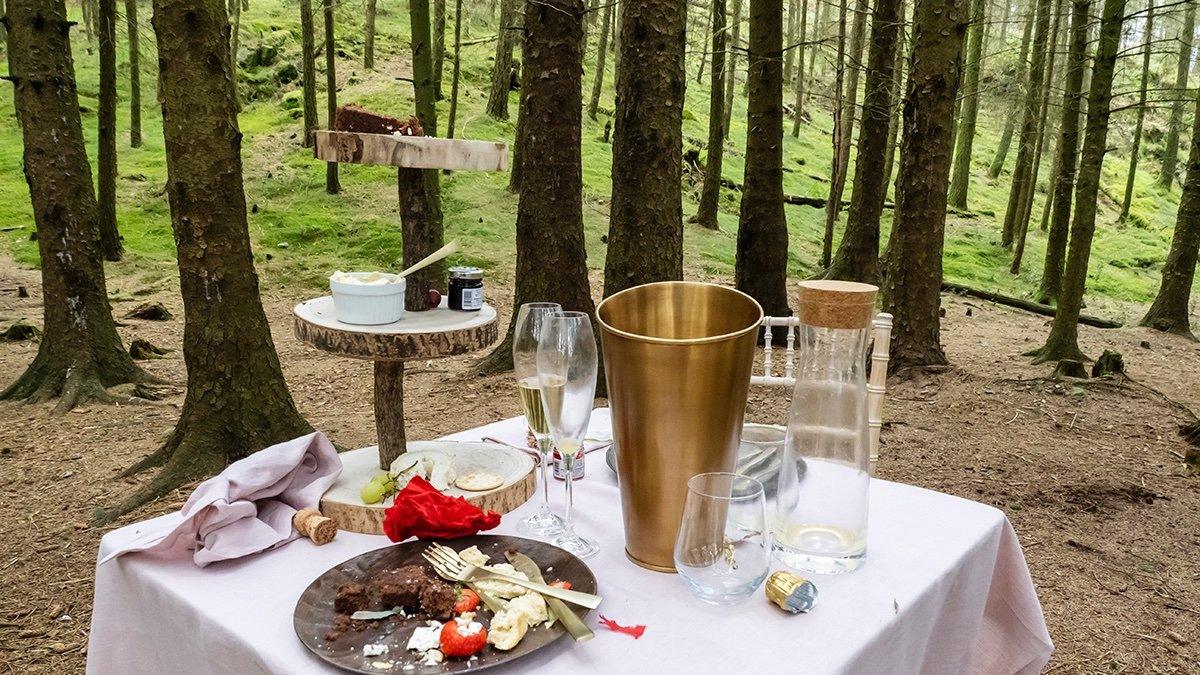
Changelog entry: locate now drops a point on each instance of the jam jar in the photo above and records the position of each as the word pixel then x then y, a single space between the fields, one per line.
pixel 466 289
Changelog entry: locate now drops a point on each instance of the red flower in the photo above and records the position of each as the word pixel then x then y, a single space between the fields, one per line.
pixel 421 511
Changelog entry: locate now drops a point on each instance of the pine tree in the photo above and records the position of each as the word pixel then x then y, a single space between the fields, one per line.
pixel 455 66
pixel 369 36
pixel 1023 171
pixel 912 287
pixel 80 352
pixel 798 112
pixel 710 192
pixel 308 72
pixel 497 105
pixel 1170 309
pixel 1068 144
pixel 735 47
pixel 844 129
pixel 135 74
pixel 1136 144
pixel 645 233
pixel 857 257
pixel 762 237
pixel 1010 121
pixel 106 131
pixel 601 56
pixel 332 186
pixel 550 250
pixel 964 141
pixel 439 45
pixel 237 401
pixel 1063 341
pixel 1166 176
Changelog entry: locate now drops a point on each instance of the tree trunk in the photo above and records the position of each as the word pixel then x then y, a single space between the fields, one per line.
pixel 309 69
pixel 135 73
pixel 762 237
pixel 1011 120
pixel 106 132
pixel 710 192
pixel 837 183
pixel 369 37
pixel 858 254
pixel 703 51
pixel 793 25
pixel 1170 309
pixel 913 281
pixel 237 401
pixel 838 138
pixel 455 67
pixel 1023 170
pixel 420 201
pixel 439 45
pixel 497 105
pixel 80 352
pixel 235 19
pixel 645 234
pixel 1022 225
pixel 735 44
pixel 896 120
pixel 798 113
pixel 1068 150
pixel 818 35
pixel 1135 146
pixel 1063 342
pixel 601 55
pixel 551 255
pixel 1171 145
pixel 960 179
pixel 332 186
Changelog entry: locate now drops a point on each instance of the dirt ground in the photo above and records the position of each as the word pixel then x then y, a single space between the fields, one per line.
pixel 1090 473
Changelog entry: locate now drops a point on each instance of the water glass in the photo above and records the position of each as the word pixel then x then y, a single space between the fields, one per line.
pixel 723 549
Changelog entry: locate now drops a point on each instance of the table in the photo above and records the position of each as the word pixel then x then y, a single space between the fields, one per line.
pixel 945 590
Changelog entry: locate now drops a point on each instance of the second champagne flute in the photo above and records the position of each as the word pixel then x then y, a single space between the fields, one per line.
pixel 531 317
pixel 566 365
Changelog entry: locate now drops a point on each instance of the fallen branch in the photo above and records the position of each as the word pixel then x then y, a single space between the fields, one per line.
pixel 1027 305
pixel 799 200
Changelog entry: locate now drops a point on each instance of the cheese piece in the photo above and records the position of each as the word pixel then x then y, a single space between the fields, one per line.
pixel 426 637
pixel 507 629
pixel 474 556
pixel 532 605
pixel 499 588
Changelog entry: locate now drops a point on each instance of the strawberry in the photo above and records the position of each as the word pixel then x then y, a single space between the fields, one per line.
pixel 456 642
pixel 565 585
pixel 467 601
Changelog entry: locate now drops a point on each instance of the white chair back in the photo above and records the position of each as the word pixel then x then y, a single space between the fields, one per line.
pixel 876 388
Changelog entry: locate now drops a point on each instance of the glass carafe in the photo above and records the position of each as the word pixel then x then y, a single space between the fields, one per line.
pixel 821 503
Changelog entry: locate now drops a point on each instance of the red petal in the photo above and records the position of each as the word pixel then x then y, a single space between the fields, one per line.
pixel 635 631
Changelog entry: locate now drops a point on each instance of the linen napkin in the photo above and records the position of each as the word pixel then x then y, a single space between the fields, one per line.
pixel 421 511
pixel 248 507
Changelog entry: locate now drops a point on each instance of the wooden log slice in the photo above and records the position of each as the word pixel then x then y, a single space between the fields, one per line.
pixel 342 504
pixel 410 152
pixel 432 334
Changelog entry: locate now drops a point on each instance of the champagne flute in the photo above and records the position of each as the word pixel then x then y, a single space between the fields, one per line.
pixel 566 366
pixel 530 319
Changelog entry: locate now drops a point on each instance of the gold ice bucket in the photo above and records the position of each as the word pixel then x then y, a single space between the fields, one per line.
pixel 677 359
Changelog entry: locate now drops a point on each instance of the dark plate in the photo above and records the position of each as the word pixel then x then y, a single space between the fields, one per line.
pixel 314 613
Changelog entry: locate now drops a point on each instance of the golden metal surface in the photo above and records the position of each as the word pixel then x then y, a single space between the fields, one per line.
pixel 791 592
pixel 677 359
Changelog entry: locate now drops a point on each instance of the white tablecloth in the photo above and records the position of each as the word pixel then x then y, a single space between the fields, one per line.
pixel 945 590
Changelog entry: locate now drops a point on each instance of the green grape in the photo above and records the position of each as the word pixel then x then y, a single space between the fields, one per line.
pixel 381 477
pixel 372 493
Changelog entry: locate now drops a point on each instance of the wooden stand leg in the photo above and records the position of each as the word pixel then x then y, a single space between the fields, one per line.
pixel 389 410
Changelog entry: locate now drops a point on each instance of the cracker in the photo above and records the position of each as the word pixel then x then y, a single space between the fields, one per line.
pixel 478 481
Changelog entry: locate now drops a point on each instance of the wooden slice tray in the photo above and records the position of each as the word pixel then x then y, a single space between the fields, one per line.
pixel 343 504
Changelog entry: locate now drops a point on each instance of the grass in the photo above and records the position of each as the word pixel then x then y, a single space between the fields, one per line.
pixel 300 233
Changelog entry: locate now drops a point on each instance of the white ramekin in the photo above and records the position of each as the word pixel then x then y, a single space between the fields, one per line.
pixel 368 305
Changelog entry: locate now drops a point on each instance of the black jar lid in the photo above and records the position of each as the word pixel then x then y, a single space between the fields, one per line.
pixel 466 273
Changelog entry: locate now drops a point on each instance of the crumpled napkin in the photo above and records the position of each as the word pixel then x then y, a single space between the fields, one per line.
pixel 248 507
pixel 421 511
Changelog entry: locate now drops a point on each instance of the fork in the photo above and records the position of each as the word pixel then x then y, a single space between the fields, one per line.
pixel 447 563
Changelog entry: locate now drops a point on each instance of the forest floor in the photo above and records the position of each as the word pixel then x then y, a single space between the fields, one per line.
pixel 1090 473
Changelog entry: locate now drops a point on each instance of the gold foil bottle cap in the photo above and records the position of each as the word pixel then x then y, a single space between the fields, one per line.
pixel 792 592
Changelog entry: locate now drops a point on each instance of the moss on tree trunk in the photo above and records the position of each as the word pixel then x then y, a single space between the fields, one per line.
pixel 857 257
pixel 1063 341
pixel 912 290
pixel 309 70
pixel 369 36
pixel 80 353
pixel 645 234
pixel 550 250
pixel 237 401
pixel 960 178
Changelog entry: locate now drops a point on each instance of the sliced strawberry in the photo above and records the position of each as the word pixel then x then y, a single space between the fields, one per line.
pixel 454 642
pixel 565 585
pixel 467 601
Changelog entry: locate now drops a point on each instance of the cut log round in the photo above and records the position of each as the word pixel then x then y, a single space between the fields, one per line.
pixel 432 334
pixel 342 504
pixel 410 152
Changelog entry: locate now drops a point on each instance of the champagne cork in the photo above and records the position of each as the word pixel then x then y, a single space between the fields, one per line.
pixel 791 592
pixel 310 523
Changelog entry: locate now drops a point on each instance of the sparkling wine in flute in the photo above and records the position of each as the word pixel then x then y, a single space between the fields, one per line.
pixel 531 402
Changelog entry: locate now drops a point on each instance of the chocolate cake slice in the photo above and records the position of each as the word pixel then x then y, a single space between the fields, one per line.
pixel 413 588
pixel 353 117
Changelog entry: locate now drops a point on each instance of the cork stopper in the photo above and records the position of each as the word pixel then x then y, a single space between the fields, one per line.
pixel 310 523
pixel 791 592
pixel 837 304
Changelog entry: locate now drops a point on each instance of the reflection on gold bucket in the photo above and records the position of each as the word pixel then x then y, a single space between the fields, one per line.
pixel 677 358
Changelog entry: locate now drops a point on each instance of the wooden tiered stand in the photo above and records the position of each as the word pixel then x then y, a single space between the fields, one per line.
pixel 419 335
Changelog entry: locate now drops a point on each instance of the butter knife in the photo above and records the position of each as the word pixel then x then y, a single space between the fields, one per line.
pixel 570 620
